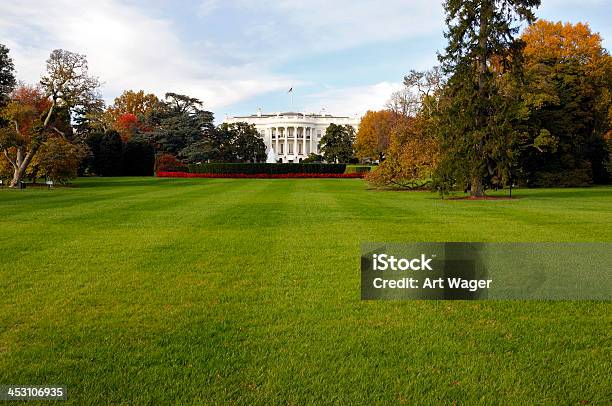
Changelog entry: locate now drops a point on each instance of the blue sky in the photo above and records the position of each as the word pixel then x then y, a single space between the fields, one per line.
pixel 346 56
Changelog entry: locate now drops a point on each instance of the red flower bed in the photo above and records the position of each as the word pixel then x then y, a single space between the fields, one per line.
pixel 162 174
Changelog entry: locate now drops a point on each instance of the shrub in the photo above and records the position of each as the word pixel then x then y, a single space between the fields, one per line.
pixel 169 163
pixel 313 158
pixel 57 160
pixel 564 178
pixel 267 169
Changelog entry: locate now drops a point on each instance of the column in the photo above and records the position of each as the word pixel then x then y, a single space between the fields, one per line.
pixel 304 142
pixel 286 134
pixel 313 145
pixel 295 142
pixel 275 131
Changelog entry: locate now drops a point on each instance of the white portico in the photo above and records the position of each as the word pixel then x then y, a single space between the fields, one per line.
pixel 293 136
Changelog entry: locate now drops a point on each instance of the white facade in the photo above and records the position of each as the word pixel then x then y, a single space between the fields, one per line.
pixel 293 136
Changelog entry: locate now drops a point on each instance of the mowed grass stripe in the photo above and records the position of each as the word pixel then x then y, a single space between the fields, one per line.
pixel 247 292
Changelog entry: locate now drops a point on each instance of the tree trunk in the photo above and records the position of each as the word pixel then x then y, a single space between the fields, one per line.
pixel 17 176
pixel 21 164
pixel 476 189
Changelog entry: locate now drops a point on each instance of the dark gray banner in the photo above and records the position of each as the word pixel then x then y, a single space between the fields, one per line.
pixel 477 271
pixel 33 392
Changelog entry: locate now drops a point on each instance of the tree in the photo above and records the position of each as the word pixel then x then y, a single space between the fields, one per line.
pixel 313 158
pixel 127 125
pixel 477 121
pixel 109 158
pixel 412 156
pixel 7 75
pixel 139 104
pixel 90 116
pixel 337 143
pixel 178 123
pixel 93 162
pixel 404 102
pixel 247 144
pixel 130 113
pixel 374 132
pixel 7 85
pixel 66 86
pixel 23 112
pixel 426 86
pixel 237 142
pixel 138 158
pixel 561 42
pixel 568 97
pixel 57 160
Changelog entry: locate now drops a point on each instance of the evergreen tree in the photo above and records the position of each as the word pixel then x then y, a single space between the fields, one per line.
pixel 480 105
pixel 179 123
pixel 138 158
pixel 110 154
pixel 7 75
pixel 7 83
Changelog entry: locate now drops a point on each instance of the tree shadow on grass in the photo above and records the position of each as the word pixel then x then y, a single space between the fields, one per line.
pixel 118 182
pixel 587 192
pixel 135 182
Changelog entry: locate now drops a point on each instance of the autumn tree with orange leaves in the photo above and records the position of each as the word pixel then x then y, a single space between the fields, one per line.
pixel 35 113
pixel 130 102
pixel 568 97
pixel 374 134
pixel 412 155
pixel 130 112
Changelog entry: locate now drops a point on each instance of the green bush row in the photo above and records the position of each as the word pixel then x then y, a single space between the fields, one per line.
pixel 265 168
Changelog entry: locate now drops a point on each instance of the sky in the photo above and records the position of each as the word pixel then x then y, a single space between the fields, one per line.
pixel 344 56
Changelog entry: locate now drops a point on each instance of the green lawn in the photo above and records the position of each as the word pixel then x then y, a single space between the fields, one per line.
pixel 141 290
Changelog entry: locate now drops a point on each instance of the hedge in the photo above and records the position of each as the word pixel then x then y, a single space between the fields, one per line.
pixel 161 174
pixel 358 169
pixel 267 169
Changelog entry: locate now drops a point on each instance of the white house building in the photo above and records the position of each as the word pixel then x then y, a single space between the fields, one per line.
pixel 293 136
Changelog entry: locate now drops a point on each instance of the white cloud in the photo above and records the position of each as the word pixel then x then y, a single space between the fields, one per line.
pixel 352 100
pixel 234 52
pixel 281 29
pixel 126 49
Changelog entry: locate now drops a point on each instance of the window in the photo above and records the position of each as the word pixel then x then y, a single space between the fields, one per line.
pixel 318 133
pixel 281 148
pixel 291 148
pixel 300 148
